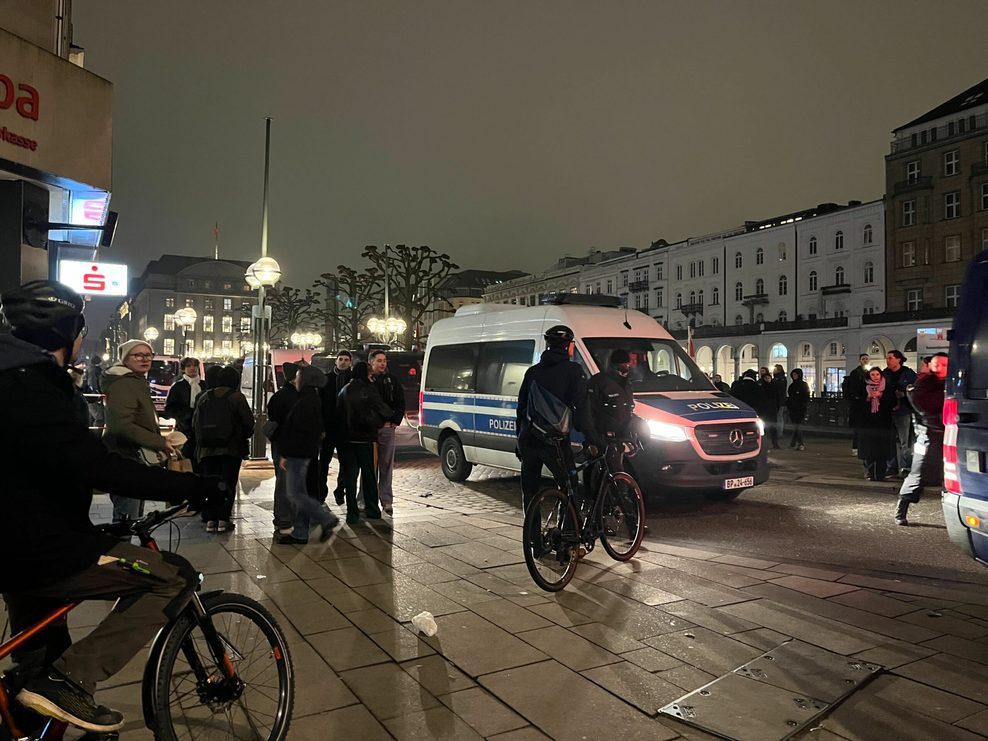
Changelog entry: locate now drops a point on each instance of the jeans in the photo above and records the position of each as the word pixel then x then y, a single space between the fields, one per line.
pixel 357 461
pixel 329 444
pixel 797 434
pixel 780 420
pixel 902 434
pixel 284 509
pixel 385 464
pixel 227 469
pixel 307 509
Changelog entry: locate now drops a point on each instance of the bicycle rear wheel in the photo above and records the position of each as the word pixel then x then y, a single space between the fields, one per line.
pixel 622 517
pixel 550 541
pixel 194 699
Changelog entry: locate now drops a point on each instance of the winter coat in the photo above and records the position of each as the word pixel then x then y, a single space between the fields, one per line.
pixel 393 395
pixel 767 404
pixel 51 464
pixel 241 417
pixel 362 410
pixel 328 395
pixel 179 405
pixel 780 383
pixel 563 379
pixel 131 422
pixel 896 383
pixel 853 388
pixel 798 401
pixel 300 435
pixel 611 405
pixel 926 398
pixel 747 390
pixel 279 406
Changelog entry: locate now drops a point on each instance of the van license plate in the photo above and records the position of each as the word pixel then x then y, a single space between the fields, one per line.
pixel 742 483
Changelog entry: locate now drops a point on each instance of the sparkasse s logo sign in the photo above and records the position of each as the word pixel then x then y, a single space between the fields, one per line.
pixel 93 278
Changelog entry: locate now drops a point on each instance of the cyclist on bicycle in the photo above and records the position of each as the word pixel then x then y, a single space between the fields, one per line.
pixel 611 405
pixel 51 552
pixel 562 382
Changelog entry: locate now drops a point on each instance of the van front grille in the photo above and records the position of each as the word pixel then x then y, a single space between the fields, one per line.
pixel 737 438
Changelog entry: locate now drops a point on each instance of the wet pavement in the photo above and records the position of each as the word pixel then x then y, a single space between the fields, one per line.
pixel 714 587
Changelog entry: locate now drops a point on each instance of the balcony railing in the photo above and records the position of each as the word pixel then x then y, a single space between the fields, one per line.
pixel 836 288
pixel 755 299
pixel 924 182
pixel 637 286
pixel 908 316
pixel 694 308
pixel 941 133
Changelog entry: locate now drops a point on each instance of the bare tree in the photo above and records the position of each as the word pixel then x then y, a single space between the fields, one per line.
pixel 413 275
pixel 291 311
pixel 351 297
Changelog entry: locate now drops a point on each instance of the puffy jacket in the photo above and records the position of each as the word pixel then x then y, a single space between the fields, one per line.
pixel 51 464
pixel 242 420
pixel 131 421
pixel 563 379
pixel 611 405
pixel 362 410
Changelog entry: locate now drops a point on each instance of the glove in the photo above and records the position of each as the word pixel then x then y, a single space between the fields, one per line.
pixel 208 489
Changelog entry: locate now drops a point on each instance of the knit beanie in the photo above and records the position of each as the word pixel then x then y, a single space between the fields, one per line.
pixel 312 376
pixel 124 349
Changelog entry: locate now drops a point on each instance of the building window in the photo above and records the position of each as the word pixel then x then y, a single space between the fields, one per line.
pixel 207 304
pixel 597 287
pixel 644 306
pixel 659 271
pixel 244 324
pixel 227 323
pixel 813 280
pixel 169 322
pixel 168 346
pixel 170 302
pixel 737 260
pixel 207 323
pixel 867 237
pixel 699 298
pixel 914 299
pixel 227 304
pixel 952 248
pixel 783 285
pixel 760 318
pixel 759 256
pixel 227 348
pixel 692 269
pixel 869 308
pixel 191 284
pixel 909 213
pixel 715 265
pixel 839 276
pixel 699 268
pixel 783 316
pixel 624 280
pixel 952 205
pixel 812 245
pixel 908 254
pixel 227 286
pixel 782 252
pixel 951 160
pixel 984 196
pixel 759 287
pixel 951 296
pixel 207 348
pixel 739 320
pixel 658 298
pixel 679 301
pixel 190 303
pixel 869 272
pixel 610 286
pixel 679 272
pixel 912 171
pixel 190 348
pixel 738 291
pixel 207 284
pixel 839 241
pixel 715 297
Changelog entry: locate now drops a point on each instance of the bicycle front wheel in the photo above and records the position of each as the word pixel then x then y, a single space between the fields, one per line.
pixel 622 517
pixel 550 541
pixel 194 699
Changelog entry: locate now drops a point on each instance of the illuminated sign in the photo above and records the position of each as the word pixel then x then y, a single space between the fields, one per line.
pixel 93 278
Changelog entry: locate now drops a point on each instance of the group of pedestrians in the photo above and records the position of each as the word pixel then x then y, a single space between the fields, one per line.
pixel 774 399
pixel 353 412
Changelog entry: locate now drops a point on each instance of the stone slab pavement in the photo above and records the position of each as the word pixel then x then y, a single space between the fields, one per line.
pixel 595 661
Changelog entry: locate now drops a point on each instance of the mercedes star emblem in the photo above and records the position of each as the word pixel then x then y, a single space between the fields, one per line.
pixel 736 437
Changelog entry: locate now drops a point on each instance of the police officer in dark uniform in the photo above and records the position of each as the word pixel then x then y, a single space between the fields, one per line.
pixel 555 374
pixel 611 405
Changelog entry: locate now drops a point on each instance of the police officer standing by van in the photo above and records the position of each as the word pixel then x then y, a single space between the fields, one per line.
pixel 611 404
pixel 554 375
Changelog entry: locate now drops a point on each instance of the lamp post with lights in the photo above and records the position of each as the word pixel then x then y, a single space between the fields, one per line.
pixel 261 275
pixel 151 334
pixel 186 319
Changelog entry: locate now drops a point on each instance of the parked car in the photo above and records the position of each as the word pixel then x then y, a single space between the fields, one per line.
pixel 965 417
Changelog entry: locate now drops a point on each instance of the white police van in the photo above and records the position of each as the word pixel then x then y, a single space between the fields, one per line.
pixel 698 437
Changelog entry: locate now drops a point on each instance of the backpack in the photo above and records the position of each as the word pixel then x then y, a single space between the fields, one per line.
pixel 213 422
pixel 548 416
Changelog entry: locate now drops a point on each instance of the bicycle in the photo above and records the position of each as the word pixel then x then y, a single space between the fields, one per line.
pixel 555 529
pixel 221 669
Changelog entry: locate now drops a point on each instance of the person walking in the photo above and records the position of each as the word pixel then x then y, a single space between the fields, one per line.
pixel 780 384
pixel 131 422
pixel 853 388
pixel 363 413
pixel 279 406
pixel 222 424
pixel 329 394
pixel 392 393
pixel 299 439
pixel 926 396
pixel 797 402
pixel 875 436
pixel 181 401
pixel 899 376
pixel 767 406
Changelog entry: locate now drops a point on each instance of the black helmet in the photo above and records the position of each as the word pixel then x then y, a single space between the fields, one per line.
pixel 559 335
pixel 44 312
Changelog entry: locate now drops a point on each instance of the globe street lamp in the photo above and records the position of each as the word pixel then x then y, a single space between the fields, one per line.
pixel 306 340
pixel 261 275
pixel 186 319
pixel 387 329
pixel 151 334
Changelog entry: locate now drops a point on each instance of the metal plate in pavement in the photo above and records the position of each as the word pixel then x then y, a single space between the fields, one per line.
pixel 809 670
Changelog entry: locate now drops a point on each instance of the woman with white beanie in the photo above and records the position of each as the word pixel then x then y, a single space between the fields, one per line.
pixel 131 422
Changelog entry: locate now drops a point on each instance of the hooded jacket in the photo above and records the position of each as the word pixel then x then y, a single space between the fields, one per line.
pixel 361 407
pixel 301 434
pixel 131 421
pixel 51 463
pixel 563 379
pixel 612 405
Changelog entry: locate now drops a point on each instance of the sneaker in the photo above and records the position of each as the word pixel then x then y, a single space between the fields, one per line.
pixel 54 695
pixel 801 447
pixel 854 452
pixel 902 521
pixel 224 527
pixel 283 531
pixel 389 510
pixel 328 530
pixel 211 526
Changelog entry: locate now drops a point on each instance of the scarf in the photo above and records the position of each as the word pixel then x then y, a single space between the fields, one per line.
pixel 194 385
pixel 875 391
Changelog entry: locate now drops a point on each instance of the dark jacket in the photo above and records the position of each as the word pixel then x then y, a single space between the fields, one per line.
pixel 362 410
pixel 328 395
pixel 51 464
pixel 746 389
pixel 722 387
pixel 926 398
pixel 179 405
pixel 780 383
pixel 896 383
pixel 853 388
pixel 563 379
pixel 241 418
pixel 279 406
pixel 300 435
pixel 611 405
pixel 798 400
pixel 767 404
pixel 392 393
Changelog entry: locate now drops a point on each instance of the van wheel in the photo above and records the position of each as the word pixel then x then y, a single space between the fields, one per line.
pixel 455 465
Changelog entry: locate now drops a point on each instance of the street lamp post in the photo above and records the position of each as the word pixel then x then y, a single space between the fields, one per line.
pixel 387 328
pixel 185 318
pixel 263 274
pixel 151 334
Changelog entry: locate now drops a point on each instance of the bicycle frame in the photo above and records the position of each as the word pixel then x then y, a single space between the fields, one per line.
pixel 586 533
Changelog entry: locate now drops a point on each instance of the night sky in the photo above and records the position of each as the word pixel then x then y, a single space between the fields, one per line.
pixel 504 133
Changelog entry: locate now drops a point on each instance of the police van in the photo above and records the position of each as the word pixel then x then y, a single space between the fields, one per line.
pixel 698 438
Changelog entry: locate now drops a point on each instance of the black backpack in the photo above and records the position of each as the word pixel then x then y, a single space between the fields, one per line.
pixel 549 417
pixel 213 421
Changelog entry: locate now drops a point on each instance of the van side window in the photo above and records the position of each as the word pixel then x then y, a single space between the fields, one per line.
pixel 452 368
pixel 502 366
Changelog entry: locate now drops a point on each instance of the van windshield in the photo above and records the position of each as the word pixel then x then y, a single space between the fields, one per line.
pixel 656 365
pixel 163 372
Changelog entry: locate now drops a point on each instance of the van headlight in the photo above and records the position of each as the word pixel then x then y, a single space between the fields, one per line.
pixel 761 426
pixel 666 431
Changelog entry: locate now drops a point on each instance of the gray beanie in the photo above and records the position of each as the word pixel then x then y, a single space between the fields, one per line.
pixel 124 349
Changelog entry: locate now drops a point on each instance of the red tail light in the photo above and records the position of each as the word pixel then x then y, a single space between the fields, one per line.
pixel 951 474
pixel 421 402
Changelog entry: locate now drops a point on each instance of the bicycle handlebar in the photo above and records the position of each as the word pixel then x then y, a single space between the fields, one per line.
pixel 146 524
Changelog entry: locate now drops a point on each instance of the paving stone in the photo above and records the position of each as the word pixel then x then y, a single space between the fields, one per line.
pixel 437 675
pixel 811 571
pixel 348 601
pixel 477 646
pixel 865 599
pixel 968 594
pixel 509 616
pixel 464 592
pixel 568 649
pixel 968 649
pixel 678 550
pixel 560 615
pixel 815 587
pixel 371 621
pixel 693 588
pixel 977 723
pixel 927 700
pixel 404 597
pixel 387 691
pixel 529 733
pixel 359 572
pixel 977 611
pixel 761 638
pixel 646 691
pixel 950 673
pixel 430 534
pixel 639 592
pixel 483 712
pixel 483 556
pixel 427 573
pixel 437 723
pixel 752 563
pixel 322 690
pixel 894 653
pixel 708 617
pixel 347 648
pixel 937 622
pixel 534 692
pixel 719 573
pixel 705 649
pixel 314 617
pixel 687 677
pixel 351 722
pixel 494 584
pixel 400 643
pixel 607 638
pixel 651 659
